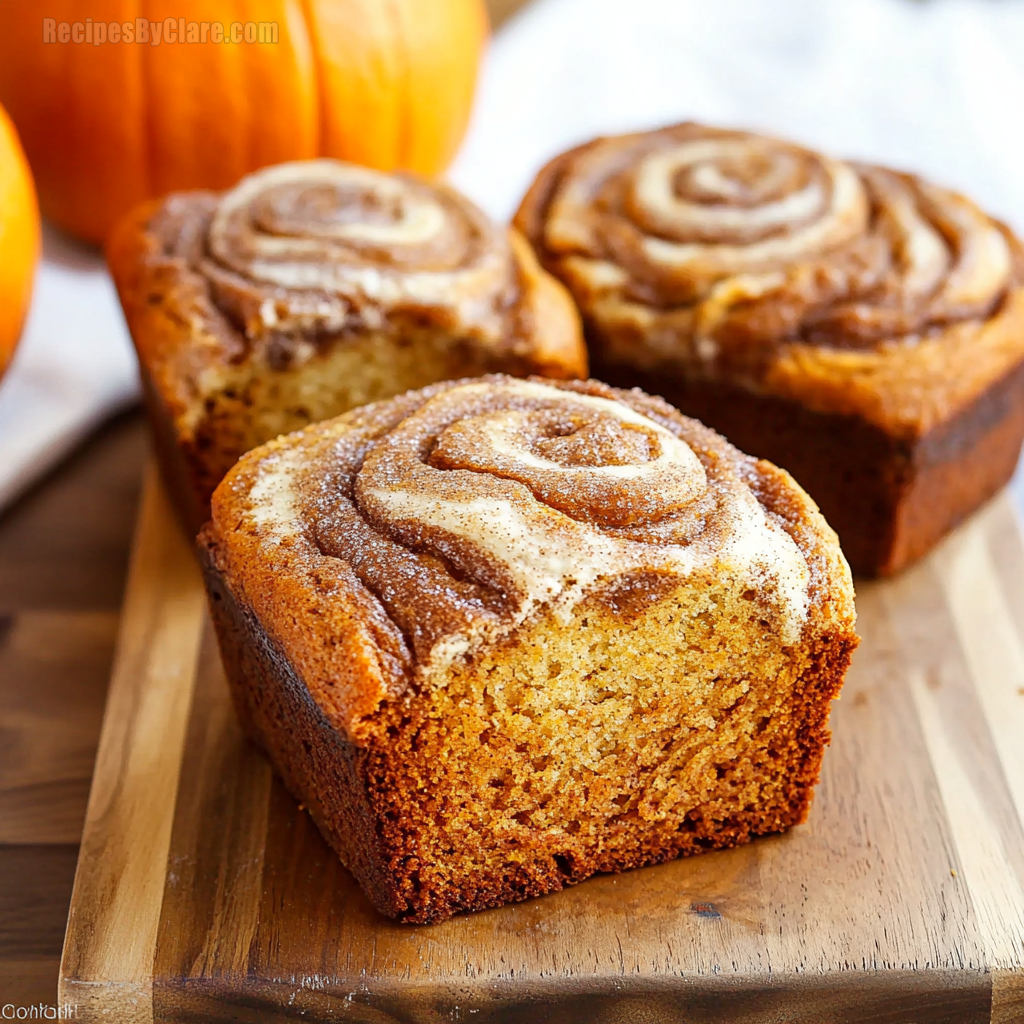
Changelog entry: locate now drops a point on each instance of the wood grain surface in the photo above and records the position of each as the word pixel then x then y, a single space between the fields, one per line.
pixel 205 893
pixel 63 555
pixel 123 858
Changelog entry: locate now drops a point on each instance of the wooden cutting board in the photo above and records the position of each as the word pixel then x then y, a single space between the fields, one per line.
pixel 205 893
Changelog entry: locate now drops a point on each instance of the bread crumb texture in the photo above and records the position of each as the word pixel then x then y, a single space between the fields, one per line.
pixel 465 737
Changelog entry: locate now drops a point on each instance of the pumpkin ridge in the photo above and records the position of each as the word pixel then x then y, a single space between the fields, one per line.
pixel 146 128
pixel 305 16
pixel 403 86
pixel 384 85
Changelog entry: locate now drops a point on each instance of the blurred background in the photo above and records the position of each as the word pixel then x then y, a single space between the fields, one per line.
pixel 933 86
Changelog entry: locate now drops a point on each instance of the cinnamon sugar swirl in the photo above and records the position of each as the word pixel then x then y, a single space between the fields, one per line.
pixel 315 287
pixel 862 327
pixel 498 635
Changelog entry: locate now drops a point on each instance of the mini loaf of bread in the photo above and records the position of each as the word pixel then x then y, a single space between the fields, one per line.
pixel 498 635
pixel 312 288
pixel 860 327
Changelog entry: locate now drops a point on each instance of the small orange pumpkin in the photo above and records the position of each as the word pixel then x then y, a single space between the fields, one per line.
pixel 19 238
pixel 387 83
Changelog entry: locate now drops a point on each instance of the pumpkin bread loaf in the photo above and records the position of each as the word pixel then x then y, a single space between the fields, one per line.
pixel 312 288
pixel 498 635
pixel 860 327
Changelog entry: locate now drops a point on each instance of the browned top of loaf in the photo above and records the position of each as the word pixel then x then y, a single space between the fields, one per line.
pixel 377 546
pixel 848 286
pixel 305 255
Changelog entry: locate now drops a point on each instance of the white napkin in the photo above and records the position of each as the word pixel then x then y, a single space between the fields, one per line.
pixel 935 87
pixel 74 367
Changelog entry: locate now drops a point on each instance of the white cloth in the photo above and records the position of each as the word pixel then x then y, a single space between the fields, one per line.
pixel 936 87
pixel 74 367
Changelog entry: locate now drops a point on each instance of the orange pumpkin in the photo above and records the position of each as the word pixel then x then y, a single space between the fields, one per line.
pixel 19 238
pixel 108 124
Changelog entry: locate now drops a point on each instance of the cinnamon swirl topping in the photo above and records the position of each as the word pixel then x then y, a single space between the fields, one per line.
pixel 466 506
pixel 739 242
pixel 320 247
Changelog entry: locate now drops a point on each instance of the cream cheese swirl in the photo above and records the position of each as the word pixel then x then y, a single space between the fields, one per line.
pixel 321 247
pixel 468 506
pixel 715 246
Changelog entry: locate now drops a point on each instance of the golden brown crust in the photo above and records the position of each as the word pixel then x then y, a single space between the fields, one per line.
pixel 242 306
pixel 549 318
pixel 907 390
pixel 460 747
pixel 165 306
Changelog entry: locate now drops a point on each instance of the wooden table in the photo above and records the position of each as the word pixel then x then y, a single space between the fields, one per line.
pixel 63 556
pixel 205 893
